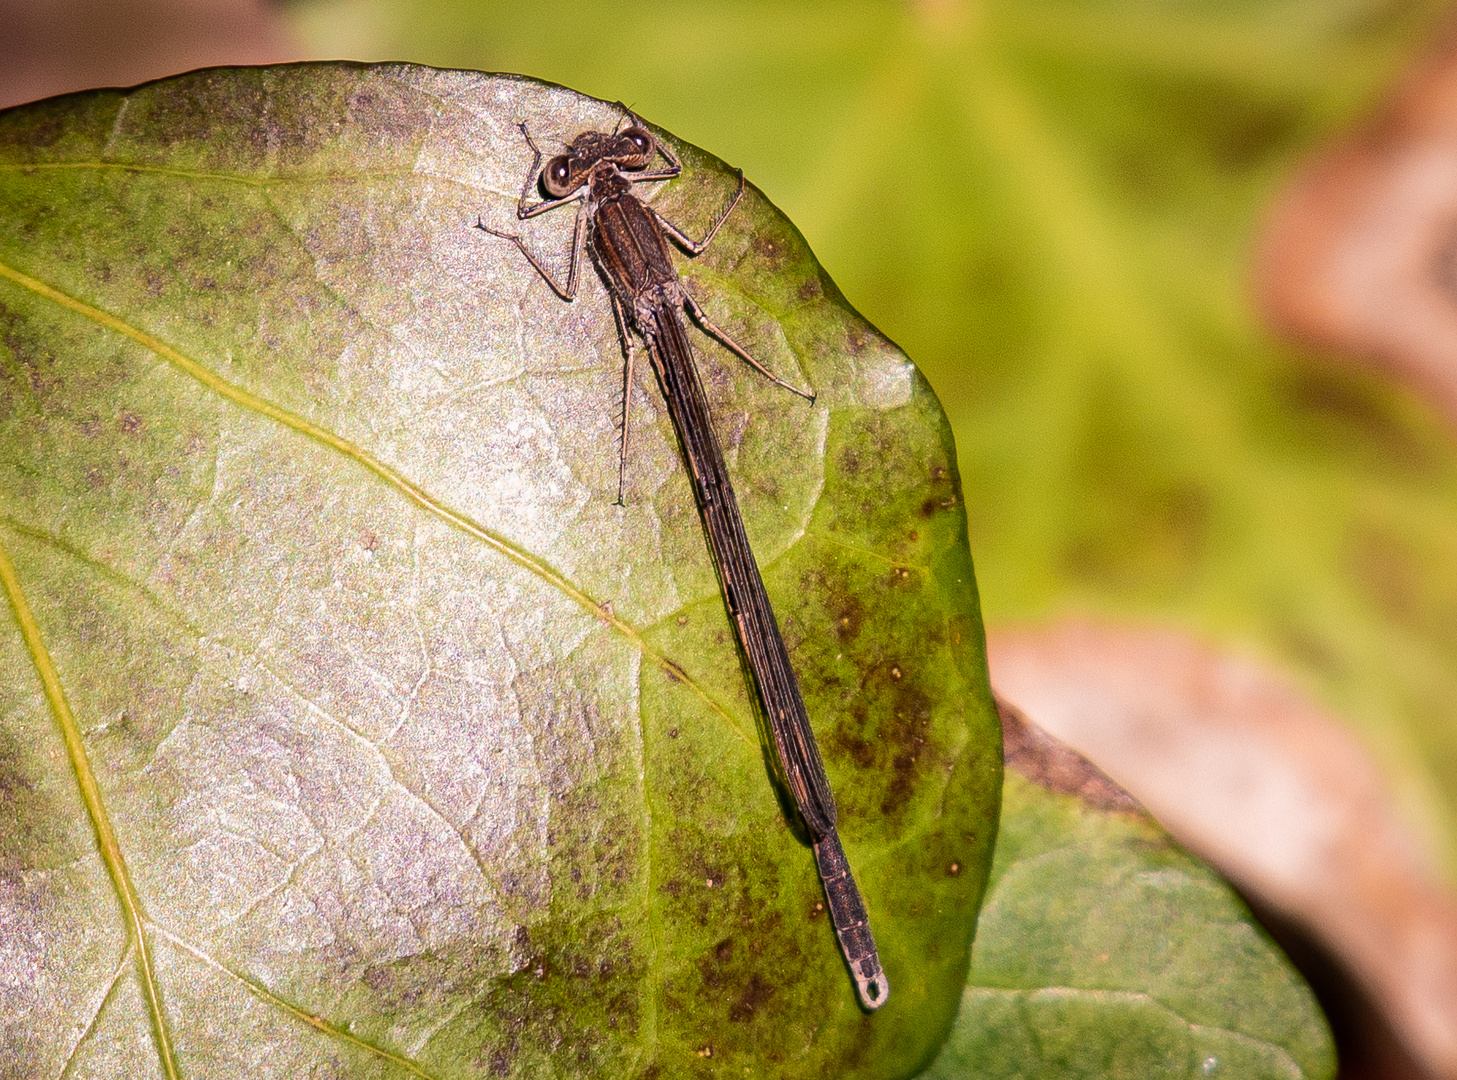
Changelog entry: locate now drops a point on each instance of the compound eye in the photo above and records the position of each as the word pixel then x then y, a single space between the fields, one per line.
pixel 557 176
pixel 642 142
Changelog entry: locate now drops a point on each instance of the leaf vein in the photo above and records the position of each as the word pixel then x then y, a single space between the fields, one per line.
pixel 112 983
pixel 108 844
pixel 318 1023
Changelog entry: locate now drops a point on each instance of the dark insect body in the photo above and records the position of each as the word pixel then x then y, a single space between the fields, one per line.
pixel 627 242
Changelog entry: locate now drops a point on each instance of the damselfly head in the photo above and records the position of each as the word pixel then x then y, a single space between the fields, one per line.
pixel 631 149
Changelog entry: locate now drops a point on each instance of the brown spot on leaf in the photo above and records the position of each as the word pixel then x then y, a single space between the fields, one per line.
pixel 860 750
pixel 851 617
pixel 756 994
pixel 769 249
pixel 904 738
pixel 1035 755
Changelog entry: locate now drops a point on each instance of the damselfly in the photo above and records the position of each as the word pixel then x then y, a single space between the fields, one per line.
pixel 627 243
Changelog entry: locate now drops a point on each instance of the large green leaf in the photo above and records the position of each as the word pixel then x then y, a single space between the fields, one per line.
pixel 348 727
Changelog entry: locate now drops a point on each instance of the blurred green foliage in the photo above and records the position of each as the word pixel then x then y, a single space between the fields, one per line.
pixel 1051 204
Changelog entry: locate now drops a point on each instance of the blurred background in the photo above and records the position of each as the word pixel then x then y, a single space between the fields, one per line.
pixel 1184 275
